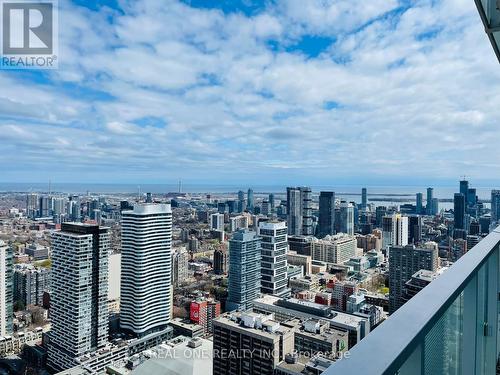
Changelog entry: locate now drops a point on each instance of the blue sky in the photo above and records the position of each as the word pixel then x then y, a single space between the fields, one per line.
pixel 277 92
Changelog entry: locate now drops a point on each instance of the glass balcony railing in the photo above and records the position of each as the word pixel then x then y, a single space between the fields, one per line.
pixel 489 10
pixel 450 327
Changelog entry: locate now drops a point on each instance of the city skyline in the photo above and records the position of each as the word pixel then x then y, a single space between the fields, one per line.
pixel 250 90
pixel 153 270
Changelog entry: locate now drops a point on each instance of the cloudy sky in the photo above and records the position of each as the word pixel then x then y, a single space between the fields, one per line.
pixel 296 91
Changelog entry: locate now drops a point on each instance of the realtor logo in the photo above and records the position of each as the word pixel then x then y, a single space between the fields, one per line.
pixel 29 34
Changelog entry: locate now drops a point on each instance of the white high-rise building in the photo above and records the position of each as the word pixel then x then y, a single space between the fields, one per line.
pixel 73 208
pixel 238 222
pixel 6 290
pixel 59 206
pixel 217 222
pixel 180 264
pixel 347 218
pixel 59 213
pixel 394 231
pixel 274 249
pixel 79 293
pixel 146 288
pixel 334 249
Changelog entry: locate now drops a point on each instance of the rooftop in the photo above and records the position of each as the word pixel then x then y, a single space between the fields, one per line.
pixel 425 275
pixel 263 325
pixel 337 317
pixel 179 356
pixel 334 238
pixel 272 224
pixel 149 208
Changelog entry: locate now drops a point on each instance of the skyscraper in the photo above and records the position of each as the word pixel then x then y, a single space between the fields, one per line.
pixel 265 209
pixel 495 205
pixel 59 206
pixel 428 207
pixel 272 204
pixel 79 293
pixel 326 213
pixel 471 197
pixel 484 224
pixel 458 248
pixel 294 211
pixel 464 187
pixel 241 201
pixel 74 208
pixel 250 201
pixel 232 206
pixel 44 209
pixel 217 222
pixel 419 206
pixel 346 218
pixel 459 211
pixel 146 267
pixel 94 204
pixel 435 206
pixel 244 270
pixel 30 283
pixel 299 211
pixel 380 212
pixel 414 229
pixel 364 199
pixel 274 249
pixel 222 207
pixel 180 264
pixel 6 289
pixel 220 261
pixel 238 222
pixel 307 221
pixel 31 205
pixel 394 231
pixel 404 261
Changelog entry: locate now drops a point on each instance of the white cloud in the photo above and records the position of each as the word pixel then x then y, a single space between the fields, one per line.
pixel 414 94
pixel 120 128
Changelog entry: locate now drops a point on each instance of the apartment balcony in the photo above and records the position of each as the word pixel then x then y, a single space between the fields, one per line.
pixel 489 10
pixel 450 327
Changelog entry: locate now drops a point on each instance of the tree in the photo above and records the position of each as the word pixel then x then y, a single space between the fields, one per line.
pixel 47 263
pixel 19 305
